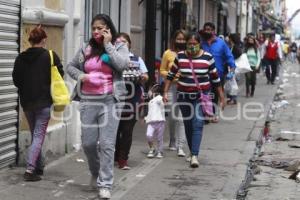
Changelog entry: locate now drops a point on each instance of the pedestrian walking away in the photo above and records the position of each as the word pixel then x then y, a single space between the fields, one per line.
pixel 135 76
pixel 32 77
pixel 155 120
pixel 99 67
pixel 222 55
pixel 200 63
pixel 176 127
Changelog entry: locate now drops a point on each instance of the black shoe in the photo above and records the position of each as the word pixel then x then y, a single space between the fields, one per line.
pixel 31 177
pixel 39 172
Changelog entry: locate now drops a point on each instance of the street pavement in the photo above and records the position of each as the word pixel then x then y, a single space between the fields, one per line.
pixel 280 158
pixel 225 152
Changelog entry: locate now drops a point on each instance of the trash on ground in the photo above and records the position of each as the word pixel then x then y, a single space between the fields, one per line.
pixel 282 139
pixel 294 145
pixel 140 175
pixel 70 181
pixel 294 166
pixel 79 160
pixel 286 74
pixel 282 103
pixel 273 163
pixel 295 75
pixel 295 176
pixel 289 132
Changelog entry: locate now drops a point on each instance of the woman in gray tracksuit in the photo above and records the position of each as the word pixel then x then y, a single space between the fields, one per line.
pixel 98 69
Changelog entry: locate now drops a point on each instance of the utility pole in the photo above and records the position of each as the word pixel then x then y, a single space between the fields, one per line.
pixel 150 39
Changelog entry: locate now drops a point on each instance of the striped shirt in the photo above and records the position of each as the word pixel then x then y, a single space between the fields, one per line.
pixel 204 68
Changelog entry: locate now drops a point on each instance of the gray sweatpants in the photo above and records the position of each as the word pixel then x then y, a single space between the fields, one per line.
pixel 175 121
pixel 99 123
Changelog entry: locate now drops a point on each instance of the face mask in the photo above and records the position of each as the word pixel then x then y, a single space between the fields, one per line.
pixel 98 37
pixel 207 36
pixel 180 46
pixel 193 50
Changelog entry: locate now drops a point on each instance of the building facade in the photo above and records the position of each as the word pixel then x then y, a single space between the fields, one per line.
pixel 67 23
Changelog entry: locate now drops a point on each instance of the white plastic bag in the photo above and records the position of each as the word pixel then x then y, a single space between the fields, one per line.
pixel 231 87
pixel 242 64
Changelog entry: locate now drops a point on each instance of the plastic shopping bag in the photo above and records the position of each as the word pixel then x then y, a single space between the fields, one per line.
pixel 242 64
pixel 59 91
pixel 231 87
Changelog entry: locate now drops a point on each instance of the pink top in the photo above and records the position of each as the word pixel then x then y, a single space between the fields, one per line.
pixel 99 77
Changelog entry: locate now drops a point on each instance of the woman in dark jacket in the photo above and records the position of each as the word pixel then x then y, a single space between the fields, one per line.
pixel 236 50
pixel 31 75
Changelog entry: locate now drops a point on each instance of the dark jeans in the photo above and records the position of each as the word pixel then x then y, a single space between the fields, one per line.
pixel 38 123
pixel 193 121
pixel 250 81
pixel 124 139
pixel 271 70
pixel 215 94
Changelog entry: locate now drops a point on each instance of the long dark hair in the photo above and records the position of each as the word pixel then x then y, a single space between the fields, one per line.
pixel 248 45
pixel 96 48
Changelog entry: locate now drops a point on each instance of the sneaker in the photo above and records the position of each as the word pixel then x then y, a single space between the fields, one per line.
pixel 159 155
pixel 151 153
pixel 123 165
pixel 31 176
pixel 126 167
pixel 172 148
pixel 180 152
pixel 188 159
pixel 194 162
pixel 104 193
pixel 93 183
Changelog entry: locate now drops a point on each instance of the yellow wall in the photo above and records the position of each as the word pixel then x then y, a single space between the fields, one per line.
pixel 53 4
pixel 55 42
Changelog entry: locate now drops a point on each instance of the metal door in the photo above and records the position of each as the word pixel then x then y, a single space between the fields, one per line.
pixel 9 49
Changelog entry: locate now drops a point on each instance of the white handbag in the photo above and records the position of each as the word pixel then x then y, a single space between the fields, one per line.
pixel 242 64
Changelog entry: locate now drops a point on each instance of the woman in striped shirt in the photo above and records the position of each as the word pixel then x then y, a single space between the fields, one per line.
pixel 188 91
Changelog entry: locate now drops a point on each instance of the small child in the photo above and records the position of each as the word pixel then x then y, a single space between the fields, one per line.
pixel 155 121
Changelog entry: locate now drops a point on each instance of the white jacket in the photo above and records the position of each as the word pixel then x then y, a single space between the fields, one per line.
pixel 156 110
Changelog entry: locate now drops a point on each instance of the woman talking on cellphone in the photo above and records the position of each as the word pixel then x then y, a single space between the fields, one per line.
pixel 98 69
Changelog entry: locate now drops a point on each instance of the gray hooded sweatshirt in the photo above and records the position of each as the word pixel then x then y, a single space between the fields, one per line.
pixel 119 57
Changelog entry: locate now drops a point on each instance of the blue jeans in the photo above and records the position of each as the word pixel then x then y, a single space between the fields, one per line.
pixel 193 120
pixel 38 123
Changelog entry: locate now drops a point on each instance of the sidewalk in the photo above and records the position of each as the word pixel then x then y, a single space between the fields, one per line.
pixel 225 151
pixel 281 158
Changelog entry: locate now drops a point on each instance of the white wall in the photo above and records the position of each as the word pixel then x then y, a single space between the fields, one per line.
pixel 231 19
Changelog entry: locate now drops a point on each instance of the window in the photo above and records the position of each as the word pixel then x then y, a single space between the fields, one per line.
pixel 92 8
